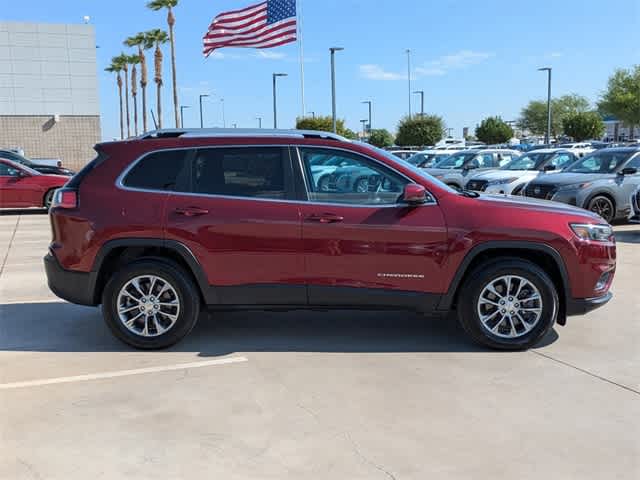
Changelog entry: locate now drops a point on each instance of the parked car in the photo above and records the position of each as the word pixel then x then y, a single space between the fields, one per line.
pixel 157 227
pixel 428 158
pixel 51 169
pixel 403 154
pixel 323 165
pixel 635 206
pixel 512 177
pixel 601 182
pixel 22 187
pixel 457 168
pixel 580 149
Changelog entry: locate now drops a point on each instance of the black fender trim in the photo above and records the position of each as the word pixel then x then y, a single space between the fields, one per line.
pixel 208 293
pixel 446 302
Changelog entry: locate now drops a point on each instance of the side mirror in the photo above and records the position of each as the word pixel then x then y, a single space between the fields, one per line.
pixel 414 194
pixel 470 166
pixel 629 171
pixel 549 168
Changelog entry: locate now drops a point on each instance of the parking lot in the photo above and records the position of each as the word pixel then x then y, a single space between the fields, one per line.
pixel 310 395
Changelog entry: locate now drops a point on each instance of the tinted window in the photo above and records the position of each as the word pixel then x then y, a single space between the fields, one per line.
pixel 562 160
pixel 239 172
pixel 600 162
pixel 457 160
pixel 160 171
pixel 360 182
pixel 7 171
pixel 635 163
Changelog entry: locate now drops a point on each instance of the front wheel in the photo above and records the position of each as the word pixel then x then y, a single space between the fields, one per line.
pixel 604 207
pixel 510 304
pixel 150 304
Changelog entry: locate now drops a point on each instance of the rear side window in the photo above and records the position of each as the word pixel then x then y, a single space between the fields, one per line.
pixel 164 171
pixel 77 179
pixel 239 172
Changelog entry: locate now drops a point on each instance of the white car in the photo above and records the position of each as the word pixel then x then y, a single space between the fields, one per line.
pixel 512 177
pixel 580 149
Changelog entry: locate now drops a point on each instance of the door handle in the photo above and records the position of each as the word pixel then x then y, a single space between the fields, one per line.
pixel 325 218
pixel 191 211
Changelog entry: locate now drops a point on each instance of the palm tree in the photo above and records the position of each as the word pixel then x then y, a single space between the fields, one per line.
pixel 116 67
pixel 134 60
pixel 123 59
pixel 157 37
pixel 171 20
pixel 141 41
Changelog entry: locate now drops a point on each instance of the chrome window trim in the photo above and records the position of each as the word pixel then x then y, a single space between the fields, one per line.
pixel 120 185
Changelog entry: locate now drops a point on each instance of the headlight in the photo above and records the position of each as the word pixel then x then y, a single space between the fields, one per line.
pixel 501 181
pixel 596 233
pixel 574 186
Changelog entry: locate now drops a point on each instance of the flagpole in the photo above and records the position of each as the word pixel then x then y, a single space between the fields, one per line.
pixel 301 53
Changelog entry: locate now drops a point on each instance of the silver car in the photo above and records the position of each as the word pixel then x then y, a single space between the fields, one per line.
pixel 511 179
pixel 456 169
pixel 635 206
pixel 602 182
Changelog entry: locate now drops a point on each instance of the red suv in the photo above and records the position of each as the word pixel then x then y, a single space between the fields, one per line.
pixel 159 227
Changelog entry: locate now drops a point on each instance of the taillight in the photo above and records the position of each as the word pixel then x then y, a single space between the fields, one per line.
pixel 65 198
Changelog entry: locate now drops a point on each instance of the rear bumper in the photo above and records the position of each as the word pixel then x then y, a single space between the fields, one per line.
pixel 74 287
pixel 582 306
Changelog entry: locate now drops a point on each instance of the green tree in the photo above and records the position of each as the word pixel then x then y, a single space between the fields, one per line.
pixel 143 43
pixel 583 125
pixel 622 97
pixel 494 130
pixel 117 67
pixel 157 37
pixel 380 137
pixel 534 116
pixel 419 131
pixel 171 21
pixel 133 61
pixel 123 61
pixel 325 124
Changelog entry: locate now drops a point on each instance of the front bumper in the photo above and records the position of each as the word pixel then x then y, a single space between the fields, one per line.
pixel 582 306
pixel 74 287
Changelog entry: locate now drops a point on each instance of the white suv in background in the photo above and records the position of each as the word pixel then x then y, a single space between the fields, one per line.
pixel 512 177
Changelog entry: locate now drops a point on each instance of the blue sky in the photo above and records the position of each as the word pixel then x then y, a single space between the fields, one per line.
pixel 472 58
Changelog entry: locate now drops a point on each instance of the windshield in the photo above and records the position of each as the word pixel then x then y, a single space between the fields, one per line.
pixel 457 160
pixel 417 159
pixel 529 161
pixel 417 171
pixel 600 162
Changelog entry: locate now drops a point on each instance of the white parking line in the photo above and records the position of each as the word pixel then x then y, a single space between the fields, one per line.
pixel 121 373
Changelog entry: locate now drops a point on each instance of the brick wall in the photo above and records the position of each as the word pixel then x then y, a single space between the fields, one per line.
pixel 71 139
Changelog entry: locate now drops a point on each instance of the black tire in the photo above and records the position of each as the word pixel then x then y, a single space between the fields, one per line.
pixel 603 206
pixel 187 294
pixel 48 199
pixel 475 283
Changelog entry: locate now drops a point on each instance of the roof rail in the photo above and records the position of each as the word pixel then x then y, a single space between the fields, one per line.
pixel 238 132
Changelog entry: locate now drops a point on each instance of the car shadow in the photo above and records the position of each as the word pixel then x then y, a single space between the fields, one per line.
pixel 22 211
pixel 63 327
pixel 628 236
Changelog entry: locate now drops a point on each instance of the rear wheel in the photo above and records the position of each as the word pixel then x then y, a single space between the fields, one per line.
pixel 509 304
pixel 150 304
pixel 604 207
pixel 48 199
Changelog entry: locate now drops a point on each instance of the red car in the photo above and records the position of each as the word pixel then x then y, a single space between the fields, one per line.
pixel 158 227
pixel 22 187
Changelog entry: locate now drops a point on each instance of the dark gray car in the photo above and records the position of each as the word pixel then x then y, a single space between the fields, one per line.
pixel 456 169
pixel 602 182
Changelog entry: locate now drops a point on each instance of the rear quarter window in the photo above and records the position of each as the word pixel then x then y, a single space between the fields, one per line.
pixel 163 171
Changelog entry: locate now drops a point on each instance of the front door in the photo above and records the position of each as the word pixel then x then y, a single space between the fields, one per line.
pixel 11 193
pixel 236 213
pixel 361 245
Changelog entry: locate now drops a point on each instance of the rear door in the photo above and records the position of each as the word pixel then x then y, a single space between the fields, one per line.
pixel 363 247
pixel 237 213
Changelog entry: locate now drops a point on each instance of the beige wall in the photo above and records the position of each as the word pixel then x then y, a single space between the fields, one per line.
pixel 71 139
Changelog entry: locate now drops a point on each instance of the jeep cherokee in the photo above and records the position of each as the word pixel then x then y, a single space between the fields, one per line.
pixel 158 227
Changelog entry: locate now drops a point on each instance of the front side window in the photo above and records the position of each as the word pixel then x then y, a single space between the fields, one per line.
pixel 562 160
pixel 7 171
pixel 455 161
pixel 240 172
pixel 360 181
pixel 163 171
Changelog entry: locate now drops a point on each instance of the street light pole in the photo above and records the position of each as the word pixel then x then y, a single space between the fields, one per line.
pixel 224 122
pixel 333 51
pixel 275 103
pixel 421 93
pixel 369 102
pixel 547 138
pixel 201 119
pixel 182 107
pixel 364 127
pixel 409 77
pixel 313 114
pixel 259 122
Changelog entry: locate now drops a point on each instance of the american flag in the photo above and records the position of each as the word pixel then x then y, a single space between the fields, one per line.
pixel 268 24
